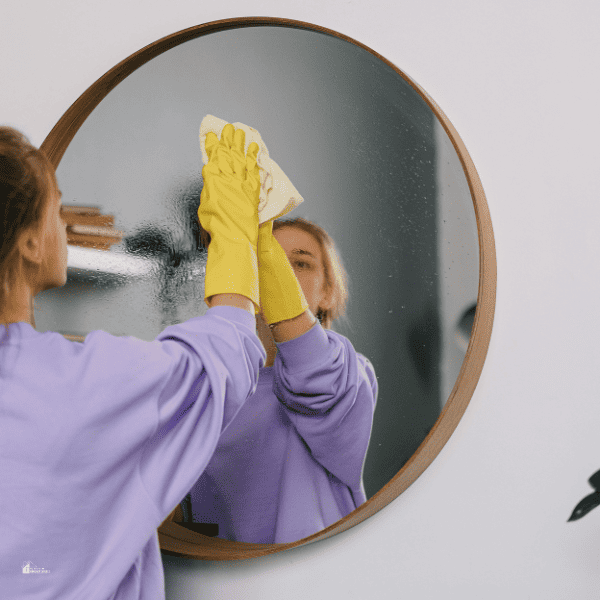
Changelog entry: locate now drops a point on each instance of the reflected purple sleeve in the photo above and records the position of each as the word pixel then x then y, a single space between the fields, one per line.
pixel 329 391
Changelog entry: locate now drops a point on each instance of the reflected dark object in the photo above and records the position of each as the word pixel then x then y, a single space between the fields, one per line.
pixel 465 326
pixel 186 208
pixel 182 515
pixel 147 241
pixel 589 502
pixel 180 258
pixel 153 241
pixel 424 346
pixel 207 529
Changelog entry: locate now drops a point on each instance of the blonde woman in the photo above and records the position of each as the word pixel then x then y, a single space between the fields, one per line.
pixel 290 463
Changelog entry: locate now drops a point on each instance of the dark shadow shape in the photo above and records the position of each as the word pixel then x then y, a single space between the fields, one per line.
pixel 465 324
pixel 207 529
pixel 424 346
pixel 589 502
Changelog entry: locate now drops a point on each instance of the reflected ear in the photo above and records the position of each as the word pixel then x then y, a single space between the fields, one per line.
pixel 30 245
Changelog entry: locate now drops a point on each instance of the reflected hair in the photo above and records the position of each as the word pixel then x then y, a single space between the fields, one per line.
pixel 26 180
pixel 336 278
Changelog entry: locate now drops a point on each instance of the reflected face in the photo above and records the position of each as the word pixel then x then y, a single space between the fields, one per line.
pixel 305 256
pixel 54 243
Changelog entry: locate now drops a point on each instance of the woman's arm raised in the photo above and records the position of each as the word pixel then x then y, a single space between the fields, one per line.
pixel 329 391
pixel 228 211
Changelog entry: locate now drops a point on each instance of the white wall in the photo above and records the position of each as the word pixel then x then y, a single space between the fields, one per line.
pixel 520 82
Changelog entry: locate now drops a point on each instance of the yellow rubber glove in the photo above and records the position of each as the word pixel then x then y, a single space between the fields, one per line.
pixel 281 297
pixel 228 211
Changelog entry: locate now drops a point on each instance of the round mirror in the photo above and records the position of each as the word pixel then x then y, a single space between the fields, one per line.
pixel 380 168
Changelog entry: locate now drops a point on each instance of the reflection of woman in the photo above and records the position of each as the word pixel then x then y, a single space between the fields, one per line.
pixel 99 440
pixel 291 461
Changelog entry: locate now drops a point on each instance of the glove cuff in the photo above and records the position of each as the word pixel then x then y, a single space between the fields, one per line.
pixel 232 268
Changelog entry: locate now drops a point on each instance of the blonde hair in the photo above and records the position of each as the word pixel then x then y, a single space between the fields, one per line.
pixel 336 278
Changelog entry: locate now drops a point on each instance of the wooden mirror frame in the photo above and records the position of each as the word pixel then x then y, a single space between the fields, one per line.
pixel 180 541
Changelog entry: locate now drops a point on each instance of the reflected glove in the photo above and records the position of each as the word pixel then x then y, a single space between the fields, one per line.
pixel 281 296
pixel 229 212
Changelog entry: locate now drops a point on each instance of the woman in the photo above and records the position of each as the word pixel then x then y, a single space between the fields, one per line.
pixel 290 463
pixel 99 440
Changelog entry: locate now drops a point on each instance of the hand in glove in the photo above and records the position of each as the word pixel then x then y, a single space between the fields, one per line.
pixel 281 296
pixel 228 211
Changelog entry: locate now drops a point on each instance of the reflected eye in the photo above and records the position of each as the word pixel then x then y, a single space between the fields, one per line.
pixel 301 264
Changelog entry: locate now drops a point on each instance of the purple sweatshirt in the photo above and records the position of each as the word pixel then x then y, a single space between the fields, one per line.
pixel 290 463
pixel 98 443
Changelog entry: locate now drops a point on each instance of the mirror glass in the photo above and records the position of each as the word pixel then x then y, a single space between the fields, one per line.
pixel 376 170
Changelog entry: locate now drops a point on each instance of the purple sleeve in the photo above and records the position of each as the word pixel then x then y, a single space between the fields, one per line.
pixel 329 391
pixel 214 369
pixel 192 379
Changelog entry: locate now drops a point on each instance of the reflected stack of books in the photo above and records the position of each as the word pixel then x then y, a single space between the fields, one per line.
pixel 88 228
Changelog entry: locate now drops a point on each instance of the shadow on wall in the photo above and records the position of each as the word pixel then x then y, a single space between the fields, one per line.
pixel 589 502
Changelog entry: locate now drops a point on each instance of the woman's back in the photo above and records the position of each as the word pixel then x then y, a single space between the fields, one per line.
pixel 100 440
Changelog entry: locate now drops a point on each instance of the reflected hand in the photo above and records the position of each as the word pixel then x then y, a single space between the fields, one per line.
pixel 281 296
